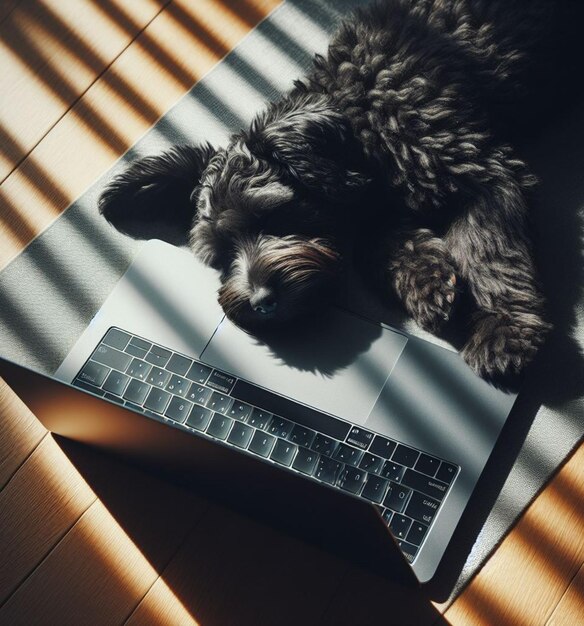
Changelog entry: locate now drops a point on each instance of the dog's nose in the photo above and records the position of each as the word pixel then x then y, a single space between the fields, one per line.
pixel 263 301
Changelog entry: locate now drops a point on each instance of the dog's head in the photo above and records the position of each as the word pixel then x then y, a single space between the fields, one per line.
pixel 269 208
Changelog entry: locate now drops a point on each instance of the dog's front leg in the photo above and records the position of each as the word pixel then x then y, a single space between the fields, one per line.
pixel 421 272
pixel 491 246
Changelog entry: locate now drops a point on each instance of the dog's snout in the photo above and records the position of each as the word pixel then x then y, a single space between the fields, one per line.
pixel 263 301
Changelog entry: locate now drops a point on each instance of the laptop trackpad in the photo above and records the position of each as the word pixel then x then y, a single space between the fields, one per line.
pixel 338 365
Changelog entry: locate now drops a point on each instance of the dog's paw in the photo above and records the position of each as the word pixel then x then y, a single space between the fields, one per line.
pixel 502 345
pixel 434 299
pixel 425 280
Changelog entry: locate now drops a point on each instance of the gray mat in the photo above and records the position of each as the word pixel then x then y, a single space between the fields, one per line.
pixel 49 293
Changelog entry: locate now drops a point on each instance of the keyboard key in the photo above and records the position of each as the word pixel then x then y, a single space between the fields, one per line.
pixel 158 377
pixel 116 399
pixel 374 489
pixel 262 443
pixel 219 426
pixel 425 484
pixel 427 464
pixel 239 411
pixel 324 445
pixel 371 463
pixel 405 456
pixel 305 461
pixel 141 343
pixel 139 369
pixel 178 409
pixel 446 473
pixel 178 386
pixel 199 418
pixel 111 357
pixel 160 360
pixel 283 452
pixel 417 533
pixel 259 418
pixel 199 394
pixel 198 373
pixel 302 436
pixel 327 470
pixel 162 352
pixel 82 385
pixel 397 497
pixel 352 479
pixel 399 525
pixel 219 402
pixel 347 454
pixel 359 437
pixel 240 435
pixel 220 381
pixel 116 383
pixel 179 364
pixel 136 351
pixel 382 447
pixel 409 550
pixel 387 515
pixel 422 508
pixel 392 471
pixel 279 427
pixel 116 338
pixel 136 391
pixel 93 373
pixel 157 400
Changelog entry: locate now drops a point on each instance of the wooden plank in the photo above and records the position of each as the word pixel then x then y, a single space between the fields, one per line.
pixel 368 600
pixel 95 575
pixel 161 605
pixel 570 609
pixel 6 7
pixel 50 492
pixel 178 47
pixel 51 51
pixel 20 433
pixel 525 579
pixel 233 570
pixel 155 514
pixel 39 505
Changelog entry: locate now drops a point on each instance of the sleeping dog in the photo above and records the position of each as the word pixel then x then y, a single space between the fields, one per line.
pixel 387 148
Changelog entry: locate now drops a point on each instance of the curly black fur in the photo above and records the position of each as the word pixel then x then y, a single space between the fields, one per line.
pixel 393 133
pixel 156 191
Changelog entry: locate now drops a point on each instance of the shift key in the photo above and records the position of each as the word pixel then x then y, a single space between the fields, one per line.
pixel 422 508
pixel 94 373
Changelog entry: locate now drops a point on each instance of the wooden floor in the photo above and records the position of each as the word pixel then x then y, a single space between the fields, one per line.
pixel 86 540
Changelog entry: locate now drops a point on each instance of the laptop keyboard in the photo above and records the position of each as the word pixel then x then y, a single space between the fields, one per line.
pixel 407 485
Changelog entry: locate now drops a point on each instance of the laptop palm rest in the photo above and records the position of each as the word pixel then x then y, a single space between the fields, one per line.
pixel 338 364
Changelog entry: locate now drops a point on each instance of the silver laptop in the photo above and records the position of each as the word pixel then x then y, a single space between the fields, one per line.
pixel 356 408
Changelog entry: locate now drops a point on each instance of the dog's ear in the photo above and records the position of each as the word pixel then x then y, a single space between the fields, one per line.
pixel 152 197
pixel 267 196
pixel 313 142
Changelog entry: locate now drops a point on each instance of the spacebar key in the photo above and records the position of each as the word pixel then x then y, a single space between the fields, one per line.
pixel 297 413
